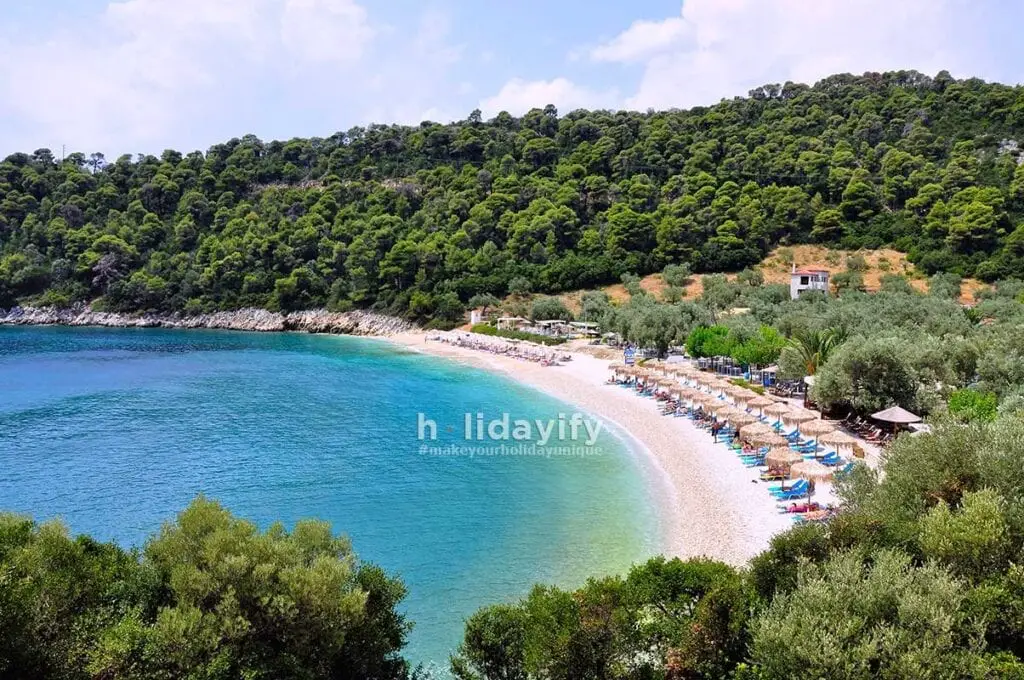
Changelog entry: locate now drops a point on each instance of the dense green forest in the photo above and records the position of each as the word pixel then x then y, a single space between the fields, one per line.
pixel 919 576
pixel 417 220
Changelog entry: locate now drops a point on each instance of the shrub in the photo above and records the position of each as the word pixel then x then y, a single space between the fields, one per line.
pixel 970 405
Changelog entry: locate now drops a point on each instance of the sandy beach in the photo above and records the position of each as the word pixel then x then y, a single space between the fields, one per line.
pixel 710 504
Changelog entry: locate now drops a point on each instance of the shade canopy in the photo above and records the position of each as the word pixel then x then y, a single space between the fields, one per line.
pixel 775 409
pixel 812 470
pixel 816 427
pixel 780 457
pixel 798 416
pixel 755 429
pixel 837 438
pixel 896 415
pixel 768 439
pixel 741 419
pixel 760 402
pixel 715 406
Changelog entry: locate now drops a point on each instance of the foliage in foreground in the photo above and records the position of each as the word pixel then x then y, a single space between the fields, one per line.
pixel 919 577
pixel 417 220
pixel 209 597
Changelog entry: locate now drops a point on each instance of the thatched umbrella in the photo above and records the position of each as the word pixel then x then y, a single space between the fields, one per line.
pixel 837 439
pixel 755 428
pixel 798 416
pixel 715 405
pixel 782 457
pixel 813 428
pixel 706 379
pixel 812 470
pixel 767 439
pixel 742 419
pixel 760 401
pixel 775 408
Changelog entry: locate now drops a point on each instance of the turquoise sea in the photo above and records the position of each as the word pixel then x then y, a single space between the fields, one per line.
pixel 114 431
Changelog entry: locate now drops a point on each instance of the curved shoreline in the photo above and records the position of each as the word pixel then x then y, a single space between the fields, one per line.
pixel 712 507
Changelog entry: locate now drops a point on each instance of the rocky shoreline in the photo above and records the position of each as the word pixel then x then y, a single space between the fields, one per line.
pixel 257 320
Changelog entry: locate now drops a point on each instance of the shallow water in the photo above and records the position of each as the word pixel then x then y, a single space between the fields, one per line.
pixel 115 430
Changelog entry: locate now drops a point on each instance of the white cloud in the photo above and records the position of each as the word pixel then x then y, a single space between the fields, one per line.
pixel 326 30
pixel 519 96
pixel 641 40
pixel 140 74
pixel 722 48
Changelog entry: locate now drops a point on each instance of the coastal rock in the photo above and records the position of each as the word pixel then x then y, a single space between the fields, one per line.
pixel 257 320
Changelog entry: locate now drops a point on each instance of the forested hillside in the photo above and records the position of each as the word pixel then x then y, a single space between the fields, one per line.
pixel 416 220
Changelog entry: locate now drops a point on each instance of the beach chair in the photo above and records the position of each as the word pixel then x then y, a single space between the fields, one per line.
pixel 799 488
pixel 792 494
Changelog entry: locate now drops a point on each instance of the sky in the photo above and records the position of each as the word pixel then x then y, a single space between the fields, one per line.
pixel 141 76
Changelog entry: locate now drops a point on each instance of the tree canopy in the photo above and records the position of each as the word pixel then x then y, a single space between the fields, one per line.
pixel 417 220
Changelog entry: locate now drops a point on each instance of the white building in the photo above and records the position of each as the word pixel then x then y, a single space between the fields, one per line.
pixel 807 279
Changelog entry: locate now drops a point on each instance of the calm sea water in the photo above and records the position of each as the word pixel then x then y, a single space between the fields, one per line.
pixel 117 430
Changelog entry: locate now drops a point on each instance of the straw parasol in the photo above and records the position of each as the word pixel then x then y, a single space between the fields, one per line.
pixel 813 428
pixel 775 409
pixel 741 419
pixel 782 457
pixel 762 402
pixel 688 393
pixel 811 470
pixel 798 416
pixel 715 405
pixel 837 438
pixel 768 439
pixel 706 379
pixel 748 431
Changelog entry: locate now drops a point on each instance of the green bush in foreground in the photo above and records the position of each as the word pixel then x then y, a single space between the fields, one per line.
pixel 918 577
pixel 210 596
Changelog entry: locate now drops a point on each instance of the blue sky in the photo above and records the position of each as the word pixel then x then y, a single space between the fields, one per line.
pixel 142 75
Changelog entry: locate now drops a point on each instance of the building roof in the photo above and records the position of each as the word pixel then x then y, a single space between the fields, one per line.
pixel 805 272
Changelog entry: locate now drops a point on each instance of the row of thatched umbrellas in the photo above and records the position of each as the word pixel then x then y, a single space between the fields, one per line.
pixel 751 428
